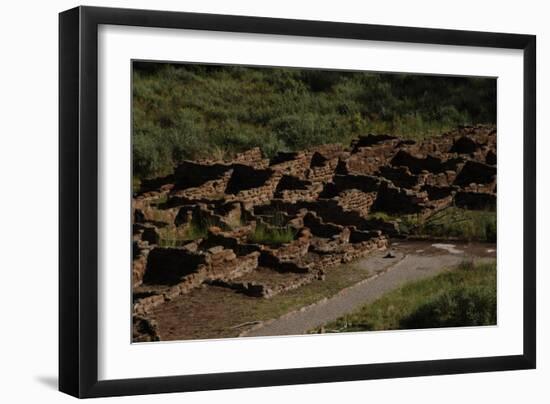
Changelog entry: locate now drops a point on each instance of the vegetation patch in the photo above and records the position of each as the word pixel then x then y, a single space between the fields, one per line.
pixel 464 297
pixel 463 224
pixel 190 111
pixel 172 236
pixel 265 234
pixel 162 199
pixel 451 222
pixel 198 227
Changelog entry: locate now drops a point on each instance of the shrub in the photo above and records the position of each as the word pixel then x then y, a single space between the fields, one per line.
pixel 462 306
pixel 319 80
pixel 305 130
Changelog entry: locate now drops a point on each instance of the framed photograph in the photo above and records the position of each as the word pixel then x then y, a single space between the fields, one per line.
pixel 251 201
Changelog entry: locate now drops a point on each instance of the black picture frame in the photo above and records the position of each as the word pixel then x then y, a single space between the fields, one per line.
pixel 78 200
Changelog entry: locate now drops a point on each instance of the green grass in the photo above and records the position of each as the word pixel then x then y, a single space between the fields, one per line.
pixel 198 228
pixel 463 297
pixel 136 184
pixel 172 236
pixel 469 225
pixel 406 223
pixel 163 198
pixel 265 234
pixel 382 216
pixel 192 111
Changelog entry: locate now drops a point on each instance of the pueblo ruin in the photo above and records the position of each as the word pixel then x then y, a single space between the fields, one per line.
pixel 263 226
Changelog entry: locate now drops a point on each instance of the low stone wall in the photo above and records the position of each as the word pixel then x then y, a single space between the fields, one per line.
pixel 366 247
pixel 265 290
pixel 293 164
pixel 224 264
pixel 292 189
pixel 269 259
pixel 320 229
pixel 400 176
pixel 368 160
pixel 257 195
pixel 191 270
pixel 392 199
pixel 358 201
pixel 252 157
pixel 323 173
pixel 212 189
pixel 139 263
pixel 146 208
pixel 475 172
pixel 443 179
pixel 416 164
pixel 341 183
pixel 169 266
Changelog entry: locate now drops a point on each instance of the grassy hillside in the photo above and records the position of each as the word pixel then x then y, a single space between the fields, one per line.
pixel 192 111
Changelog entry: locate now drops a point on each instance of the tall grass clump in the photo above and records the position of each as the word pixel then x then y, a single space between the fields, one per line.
pixel 198 227
pixel 469 225
pixel 265 234
pixel 172 236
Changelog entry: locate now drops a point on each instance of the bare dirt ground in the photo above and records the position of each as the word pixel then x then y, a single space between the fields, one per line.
pixel 215 312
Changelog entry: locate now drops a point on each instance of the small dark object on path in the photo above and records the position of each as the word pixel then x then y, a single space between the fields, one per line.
pixel 389 255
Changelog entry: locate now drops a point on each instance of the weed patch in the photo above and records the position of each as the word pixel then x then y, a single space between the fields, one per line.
pixel 265 234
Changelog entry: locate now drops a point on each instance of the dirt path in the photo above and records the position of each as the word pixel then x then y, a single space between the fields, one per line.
pixel 413 261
